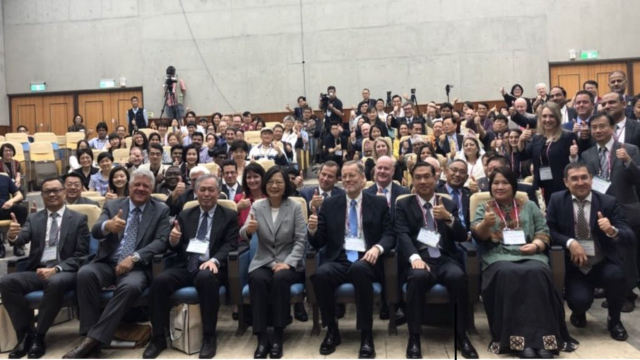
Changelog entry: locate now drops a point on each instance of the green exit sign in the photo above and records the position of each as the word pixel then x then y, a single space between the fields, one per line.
pixel 107 83
pixel 588 54
pixel 40 86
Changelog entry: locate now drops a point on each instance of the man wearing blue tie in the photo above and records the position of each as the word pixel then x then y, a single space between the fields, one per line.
pixel 351 232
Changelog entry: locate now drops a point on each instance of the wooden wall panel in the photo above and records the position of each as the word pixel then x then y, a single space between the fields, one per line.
pixel 571 77
pixel 57 113
pixel 94 108
pixel 636 77
pixel 26 111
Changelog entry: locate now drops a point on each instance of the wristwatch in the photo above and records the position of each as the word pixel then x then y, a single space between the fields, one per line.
pixel 136 257
pixel 58 269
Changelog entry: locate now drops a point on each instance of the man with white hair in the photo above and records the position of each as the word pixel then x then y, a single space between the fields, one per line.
pixel 542 96
pixel 131 231
pixel 182 194
pixel 522 117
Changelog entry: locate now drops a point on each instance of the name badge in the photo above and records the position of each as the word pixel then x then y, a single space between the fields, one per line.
pixel 514 237
pixel 545 173
pixel 50 254
pixel 338 153
pixel 429 238
pixel 600 185
pixel 589 247
pixel 352 243
pixel 198 246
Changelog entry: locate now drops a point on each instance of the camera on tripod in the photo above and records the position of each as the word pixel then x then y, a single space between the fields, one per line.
pixel 324 100
pixel 171 77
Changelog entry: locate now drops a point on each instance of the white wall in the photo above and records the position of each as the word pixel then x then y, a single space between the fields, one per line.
pixel 253 47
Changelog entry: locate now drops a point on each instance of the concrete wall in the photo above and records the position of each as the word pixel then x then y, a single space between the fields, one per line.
pixel 253 47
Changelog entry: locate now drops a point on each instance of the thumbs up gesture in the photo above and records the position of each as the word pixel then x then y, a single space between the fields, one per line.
pixel 573 150
pixel 473 185
pixel 489 218
pixel 313 220
pixel 622 154
pixel 605 225
pixel 176 234
pixel 244 203
pixel 34 207
pixel 115 224
pixel 526 134
pixel 252 224
pixel 440 213
pixel 179 190
pixel 316 200
pixel 110 195
pixel 299 181
pixel 576 126
pixel 14 228
pixel 584 131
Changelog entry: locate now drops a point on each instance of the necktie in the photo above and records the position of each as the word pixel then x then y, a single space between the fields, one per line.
pixel 385 191
pixel 583 233
pixel 456 200
pixel 604 166
pixel 352 255
pixel 131 235
pixel 54 233
pixel 616 132
pixel 194 258
pixel 434 252
pixel 325 195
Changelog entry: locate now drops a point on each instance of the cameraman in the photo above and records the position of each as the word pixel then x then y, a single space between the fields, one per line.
pixel 332 108
pixel 174 105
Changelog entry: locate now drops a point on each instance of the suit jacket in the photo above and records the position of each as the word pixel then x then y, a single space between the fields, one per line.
pixel 445 148
pixel 410 219
pixel 73 244
pixel 395 122
pixel 632 132
pixel 85 201
pixel 225 189
pixel 222 239
pixel 283 241
pixel 396 190
pixel 376 225
pixel 561 222
pixel 524 120
pixel 466 195
pixel 330 142
pixel 176 207
pixel 307 194
pixel 153 233
pixel 624 181
pixel 574 116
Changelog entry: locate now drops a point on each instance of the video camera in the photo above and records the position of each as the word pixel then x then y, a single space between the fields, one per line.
pixel 171 77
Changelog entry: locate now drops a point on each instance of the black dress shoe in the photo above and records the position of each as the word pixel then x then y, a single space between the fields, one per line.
pixel 331 340
pixel 276 350
pixel 299 312
pixel 18 251
pixel 599 293
pixel 544 354
pixel 384 312
pixel 528 353
pixel 22 348
pixel 261 351
pixel 466 348
pixel 38 347
pixel 84 350
pixel 617 331
pixel 340 310
pixel 156 346
pixel 234 315
pixel 413 347
pixel 578 320
pixel 628 306
pixel 367 350
pixel 401 318
pixel 208 348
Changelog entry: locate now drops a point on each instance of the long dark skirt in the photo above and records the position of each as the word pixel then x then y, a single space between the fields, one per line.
pixel 523 308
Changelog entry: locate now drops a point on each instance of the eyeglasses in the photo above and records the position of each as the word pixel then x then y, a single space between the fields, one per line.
pixel 73 185
pixel 276 183
pixel 52 191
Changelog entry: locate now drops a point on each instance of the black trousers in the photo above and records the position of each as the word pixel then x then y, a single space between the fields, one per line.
pixel 579 287
pixel 14 286
pixel 91 279
pixel 206 282
pixel 361 274
pixel 445 271
pixel 269 288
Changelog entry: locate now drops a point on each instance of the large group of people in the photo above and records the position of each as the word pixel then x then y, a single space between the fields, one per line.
pixel 557 172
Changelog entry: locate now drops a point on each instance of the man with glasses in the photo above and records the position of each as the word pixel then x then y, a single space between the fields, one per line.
pixel 457 174
pixel 59 238
pixel 230 186
pixel 73 187
pixel 155 162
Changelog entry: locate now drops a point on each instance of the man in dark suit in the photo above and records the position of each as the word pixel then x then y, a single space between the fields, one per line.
pixel 59 239
pixel 335 145
pixel 428 227
pixel 199 263
pixel 625 130
pixel 450 139
pixel 615 167
pixel 409 118
pixel 583 104
pixel 350 248
pixel 384 185
pixel 618 83
pixel 230 187
pixel 73 190
pixel 182 194
pixel 589 225
pixel 327 179
pixel 457 175
pixel 124 259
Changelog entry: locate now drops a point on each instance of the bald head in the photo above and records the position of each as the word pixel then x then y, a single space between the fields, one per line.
pixel 384 171
pixel 521 105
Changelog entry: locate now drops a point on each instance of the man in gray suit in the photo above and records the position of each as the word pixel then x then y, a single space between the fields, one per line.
pixel 59 239
pixel 616 173
pixel 131 231
pixel 73 188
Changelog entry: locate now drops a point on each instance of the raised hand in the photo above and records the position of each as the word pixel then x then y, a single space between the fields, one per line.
pixel 473 185
pixel 584 131
pixel 116 224
pixel 440 213
pixel 252 225
pixel 175 234
pixel 179 190
pixel 14 227
pixel 244 203
pixel 502 90
pixel 110 195
pixel 526 134
pixel 605 225
pixel 573 150
pixel 316 200
pixel 313 220
pixel 622 154
pixel 489 218
pixel 576 126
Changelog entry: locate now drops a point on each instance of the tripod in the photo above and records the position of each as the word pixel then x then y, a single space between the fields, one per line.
pixel 169 94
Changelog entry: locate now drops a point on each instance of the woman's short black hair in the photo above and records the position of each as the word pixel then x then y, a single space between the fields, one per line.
pixel 104 155
pixel 427 145
pixel 155 134
pixel 112 174
pixel 375 126
pixel 186 149
pixel 7 146
pixel 288 187
pixel 113 136
pixel 513 88
pixel 81 152
pixel 508 174
pixel 238 145
pixel 254 168
pixel 82 141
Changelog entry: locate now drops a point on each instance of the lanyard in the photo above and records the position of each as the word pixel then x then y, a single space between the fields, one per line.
pixel 424 213
pixel 506 226
pixel 346 216
pixel 548 160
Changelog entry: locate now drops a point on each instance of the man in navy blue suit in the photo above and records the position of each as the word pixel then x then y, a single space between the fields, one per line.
pixel 327 179
pixel 384 186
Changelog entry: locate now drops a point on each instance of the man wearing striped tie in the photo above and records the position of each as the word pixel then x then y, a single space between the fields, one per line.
pixel 590 226
pixel 202 237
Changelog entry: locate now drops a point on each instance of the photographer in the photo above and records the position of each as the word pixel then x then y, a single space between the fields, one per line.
pixel 332 108
pixel 174 99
